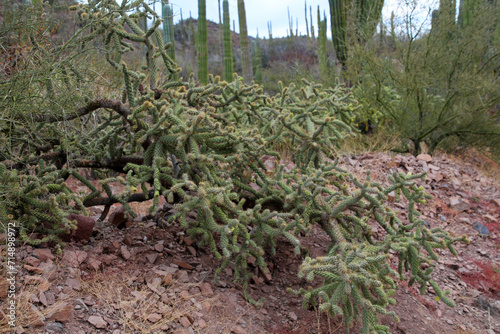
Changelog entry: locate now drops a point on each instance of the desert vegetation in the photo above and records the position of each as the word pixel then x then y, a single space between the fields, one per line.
pixel 118 89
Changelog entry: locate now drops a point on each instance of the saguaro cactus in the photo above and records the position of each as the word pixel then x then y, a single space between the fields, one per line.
pixel 246 60
pixel 202 43
pixel 228 47
pixel 307 23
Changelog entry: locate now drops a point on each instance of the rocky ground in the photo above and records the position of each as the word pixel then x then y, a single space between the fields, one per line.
pixel 144 276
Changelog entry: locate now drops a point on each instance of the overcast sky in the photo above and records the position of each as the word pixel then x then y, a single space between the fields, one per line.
pixel 259 12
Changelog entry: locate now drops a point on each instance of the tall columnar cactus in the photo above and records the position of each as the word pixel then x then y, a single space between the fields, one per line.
pixel 228 47
pixel 307 23
pixel 257 60
pixel 290 23
pixel 322 56
pixel 339 29
pixel 270 30
pixel 365 16
pixel 184 35
pixel 443 20
pixel 202 43
pixel 192 42
pixel 246 60
pixel 312 24
pixel 168 28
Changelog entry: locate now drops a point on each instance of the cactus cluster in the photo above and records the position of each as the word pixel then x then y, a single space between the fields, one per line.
pixel 201 147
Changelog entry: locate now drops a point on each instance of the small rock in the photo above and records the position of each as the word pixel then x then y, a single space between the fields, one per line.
pixel 84 227
pixel 32 261
pixel 183 264
pixel 185 295
pixel 54 327
pixel 168 279
pixel 127 240
pixel 154 317
pixel 74 258
pixel 293 316
pixel 424 157
pixel 159 247
pixel 43 254
pixel 33 269
pixel 238 330
pixel 97 321
pixel 125 253
pixel 496 201
pixel 182 276
pixel 36 315
pixel 202 324
pixel 456 203
pixel 62 313
pixel 74 283
pixel 41 283
pixel 184 322
pixel 206 290
pixel 152 257
pixel 490 218
pixel 94 263
pixel 483 230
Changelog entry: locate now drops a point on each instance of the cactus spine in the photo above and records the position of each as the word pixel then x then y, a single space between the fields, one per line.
pixel 228 47
pixel 246 60
pixel 202 43
pixel 168 29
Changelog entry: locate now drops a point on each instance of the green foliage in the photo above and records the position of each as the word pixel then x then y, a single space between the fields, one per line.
pixel 202 147
pixel 437 87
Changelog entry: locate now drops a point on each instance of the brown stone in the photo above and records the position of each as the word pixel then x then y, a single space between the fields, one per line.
pixel 168 279
pixel 94 263
pixel 74 258
pixel 206 290
pixel 238 330
pixel 74 284
pixel 152 258
pixel 266 275
pixel 62 313
pixel 184 322
pixel 125 253
pixel 154 317
pixel 158 247
pixel 424 157
pixel 456 203
pixel 33 269
pixel 97 321
pixel 36 317
pixel 41 283
pixel 127 240
pixel 84 227
pixel 183 264
pixel 43 254
pixel 185 295
pixel 32 261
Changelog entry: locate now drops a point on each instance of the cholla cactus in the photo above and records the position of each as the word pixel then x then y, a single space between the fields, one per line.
pixel 200 147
